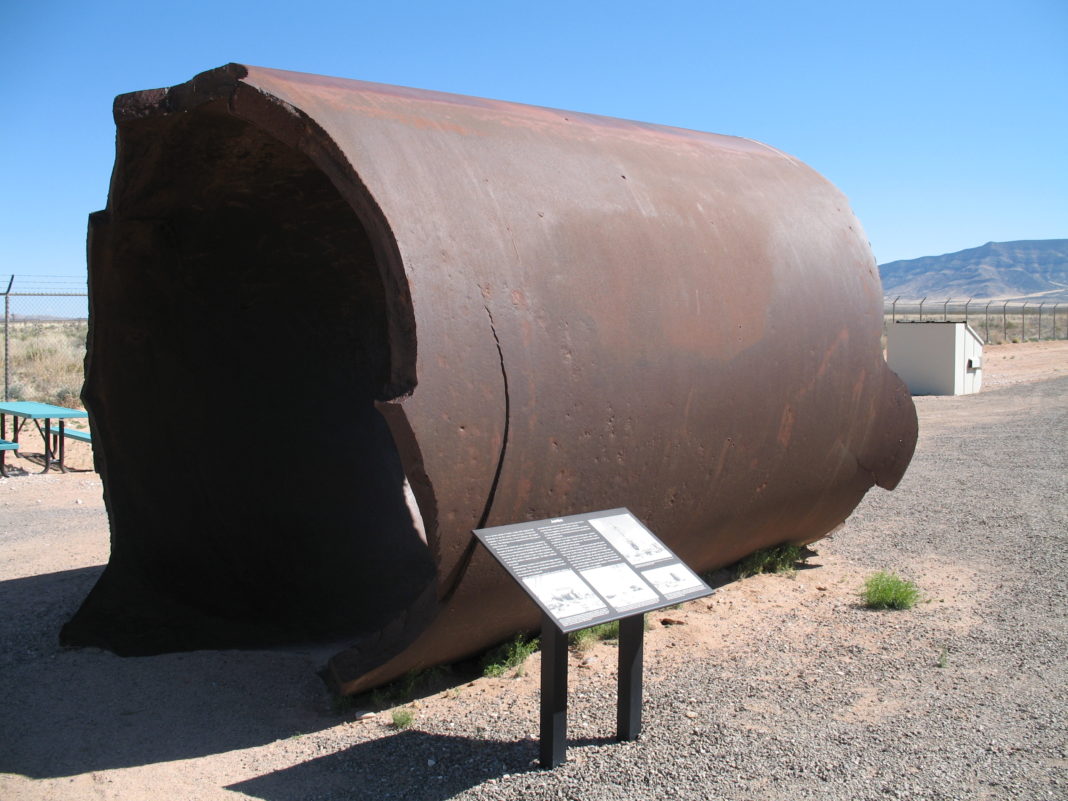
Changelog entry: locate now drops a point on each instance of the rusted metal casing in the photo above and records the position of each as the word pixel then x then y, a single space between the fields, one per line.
pixel 515 312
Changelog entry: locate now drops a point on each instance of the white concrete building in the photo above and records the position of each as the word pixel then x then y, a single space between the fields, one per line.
pixel 935 358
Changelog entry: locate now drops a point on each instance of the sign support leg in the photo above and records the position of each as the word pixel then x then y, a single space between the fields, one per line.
pixel 553 694
pixel 631 650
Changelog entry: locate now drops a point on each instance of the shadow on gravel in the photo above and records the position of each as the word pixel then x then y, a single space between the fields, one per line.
pixel 27 459
pixel 72 711
pixel 410 765
pixel 35 607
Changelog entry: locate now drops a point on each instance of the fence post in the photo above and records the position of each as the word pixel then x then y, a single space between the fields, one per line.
pixel 945 306
pixel 1040 305
pixel 1023 321
pixel 1005 322
pixel 1055 305
pixel 893 309
pixel 986 321
pixel 7 338
pixel 966 305
pixel 921 308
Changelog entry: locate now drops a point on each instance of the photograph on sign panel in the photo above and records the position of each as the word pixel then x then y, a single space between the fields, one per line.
pixel 630 539
pixel 620 586
pixel 563 593
pixel 673 579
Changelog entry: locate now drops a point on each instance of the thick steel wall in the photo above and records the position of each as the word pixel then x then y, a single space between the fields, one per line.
pixel 522 313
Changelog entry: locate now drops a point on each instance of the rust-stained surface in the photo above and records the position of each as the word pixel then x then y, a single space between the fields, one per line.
pixel 520 312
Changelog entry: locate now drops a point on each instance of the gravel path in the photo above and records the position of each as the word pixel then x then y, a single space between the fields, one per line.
pixel 777 687
pixel 838 702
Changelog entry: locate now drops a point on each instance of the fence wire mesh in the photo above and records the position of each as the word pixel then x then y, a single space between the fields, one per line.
pixel 46 321
pixel 996 321
pixel 44 328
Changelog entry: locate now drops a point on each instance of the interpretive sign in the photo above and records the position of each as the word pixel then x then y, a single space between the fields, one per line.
pixel 592 568
pixel 583 570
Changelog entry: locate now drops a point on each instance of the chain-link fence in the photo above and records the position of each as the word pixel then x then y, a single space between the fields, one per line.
pixel 997 321
pixel 46 320
pixel 44 327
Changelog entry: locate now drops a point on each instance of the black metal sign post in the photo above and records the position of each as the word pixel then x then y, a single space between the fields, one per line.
pixel 629 694
pixel 583 570
pixel 554 686
pixel 553 694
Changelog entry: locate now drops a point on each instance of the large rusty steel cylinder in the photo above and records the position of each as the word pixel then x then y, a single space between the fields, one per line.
pixel 335 326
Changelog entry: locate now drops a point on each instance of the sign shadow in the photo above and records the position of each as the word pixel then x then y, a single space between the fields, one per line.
pixel 413 765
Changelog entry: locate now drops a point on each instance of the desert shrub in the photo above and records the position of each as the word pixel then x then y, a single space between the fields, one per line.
pixel 412 684
pixel 47 362
pixel 889 591
pixel 584 639
pixel 508 656
pixel 777 559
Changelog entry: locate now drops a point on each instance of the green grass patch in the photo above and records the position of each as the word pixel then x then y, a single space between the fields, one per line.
pixel 509 656
pixel 342 704
pixel 884 590
pixel 402 717
pixel 777 559
pixel 412 684
pixel 584 639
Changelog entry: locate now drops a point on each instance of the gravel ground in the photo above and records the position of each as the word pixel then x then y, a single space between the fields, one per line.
pixel 776 687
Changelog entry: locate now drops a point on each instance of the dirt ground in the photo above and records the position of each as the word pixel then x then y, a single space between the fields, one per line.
pixel 1005 365
pixel 221 728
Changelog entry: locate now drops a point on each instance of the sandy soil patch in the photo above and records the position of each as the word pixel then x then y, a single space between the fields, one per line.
pixel 1005 365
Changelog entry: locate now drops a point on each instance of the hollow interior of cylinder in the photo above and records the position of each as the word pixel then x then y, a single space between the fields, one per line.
pixel 240 336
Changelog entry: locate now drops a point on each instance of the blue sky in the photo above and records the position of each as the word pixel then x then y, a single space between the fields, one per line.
pixel 945 123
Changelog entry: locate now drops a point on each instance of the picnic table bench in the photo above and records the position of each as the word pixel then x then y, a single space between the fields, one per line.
pixel 71 433
pixel 6 446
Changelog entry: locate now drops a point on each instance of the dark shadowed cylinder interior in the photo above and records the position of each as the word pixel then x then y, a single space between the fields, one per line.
pixel 241 296
pixel 335 326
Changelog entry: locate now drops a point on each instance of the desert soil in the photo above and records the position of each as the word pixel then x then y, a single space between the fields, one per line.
pixel 775 687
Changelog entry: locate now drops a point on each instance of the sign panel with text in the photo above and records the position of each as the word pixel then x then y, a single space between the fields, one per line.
pixel 592 568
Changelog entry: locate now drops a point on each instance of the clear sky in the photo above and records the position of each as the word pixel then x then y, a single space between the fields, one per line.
pixel 945 123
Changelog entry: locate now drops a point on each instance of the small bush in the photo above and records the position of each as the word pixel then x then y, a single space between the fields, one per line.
pixel 47 362
pixel 413 683
pixel 69 396
pixel 584 639
pixel 402 717
pixel 778 559
pixel 342 704
pixel 509 655
pixel 888 591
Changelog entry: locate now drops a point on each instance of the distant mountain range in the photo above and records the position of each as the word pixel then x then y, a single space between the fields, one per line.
pixel 1000 270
